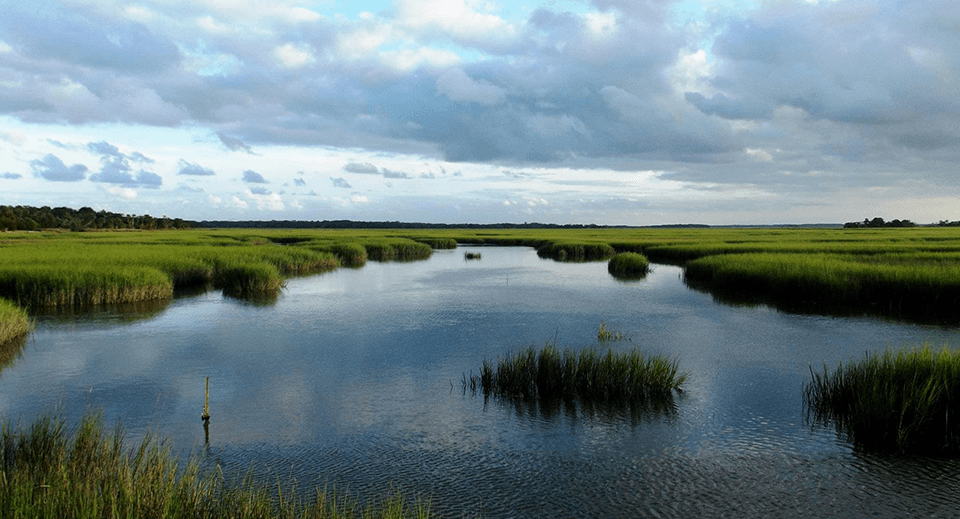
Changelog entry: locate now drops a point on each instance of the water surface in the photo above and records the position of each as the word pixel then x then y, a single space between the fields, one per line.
pixel 352 379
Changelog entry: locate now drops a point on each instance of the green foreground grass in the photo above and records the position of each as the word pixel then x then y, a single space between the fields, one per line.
pixel 906 401
pixel 14 322
pixel 47 470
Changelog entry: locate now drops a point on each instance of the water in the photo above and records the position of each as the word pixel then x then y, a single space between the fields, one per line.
pixel 352 379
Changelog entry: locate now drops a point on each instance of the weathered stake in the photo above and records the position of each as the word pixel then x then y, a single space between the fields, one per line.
pixel 206 402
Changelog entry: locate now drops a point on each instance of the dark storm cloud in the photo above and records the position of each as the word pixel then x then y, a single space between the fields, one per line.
pixel 52 168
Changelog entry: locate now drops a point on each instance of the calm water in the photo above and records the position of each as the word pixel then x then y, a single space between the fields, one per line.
pixel 352 379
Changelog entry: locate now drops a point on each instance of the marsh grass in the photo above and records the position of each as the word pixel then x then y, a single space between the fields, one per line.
pixel 50 471
pixel 628 265
pixel 48 285
pixel 397 249
pixel 588 375
pixel 605 333
pixel 897 284
pixel 576 251
pixel 905 401
pixel 471 255
pixel 245 280
pixel 14 322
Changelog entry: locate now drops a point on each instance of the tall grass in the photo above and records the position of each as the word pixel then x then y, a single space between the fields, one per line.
pixel 397 249
pixel 576 251
pixel 628 265
pixel 14 322
pixel 588 375
pixel 892 283
pixel 48 285
pixel 50 471
pixel 906 401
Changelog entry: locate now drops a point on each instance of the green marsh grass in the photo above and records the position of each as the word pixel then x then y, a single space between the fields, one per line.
pixel 906 401
pixel 576 251
pixel 588 374
pixel 396 249
pixel 14 322
pixel 912 285
pixel 472 255
pixel 628 265
pixel 47 470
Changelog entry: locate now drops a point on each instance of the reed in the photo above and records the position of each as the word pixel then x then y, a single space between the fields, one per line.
pixel 605 333
pixel 50 471
pixel 397 249
pixel 576 251
pixel 14 322
pixel 437 243
pixel 587 375
pixel 908 284
pixel 628 265
pixel 247 279
pixel 905 401
pixel 46 285
pixel 471 255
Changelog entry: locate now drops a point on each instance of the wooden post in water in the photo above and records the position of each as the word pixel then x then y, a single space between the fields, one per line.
pixel 206 403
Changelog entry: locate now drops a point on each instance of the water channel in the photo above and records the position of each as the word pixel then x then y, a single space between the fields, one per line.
pixel 352 379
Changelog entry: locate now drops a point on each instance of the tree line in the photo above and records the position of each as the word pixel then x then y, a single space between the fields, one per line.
pixel 26 218
pixel 878 222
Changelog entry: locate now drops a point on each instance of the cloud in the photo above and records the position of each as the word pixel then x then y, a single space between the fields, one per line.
pixel 299 182
pixel 125 193
pixel 233 144
pixel 394 174
pixel 252 177
pixel 11 176
pixel 260 191
pixel 458 86
pixel 340 182
pixel 190 169
pixel 115 167
pixel 364 168
pixel 52 168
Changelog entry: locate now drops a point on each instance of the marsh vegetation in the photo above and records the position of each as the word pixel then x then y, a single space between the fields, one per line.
pixel 588 374
pixel 904 401
pixel 628 265
pixel 48 469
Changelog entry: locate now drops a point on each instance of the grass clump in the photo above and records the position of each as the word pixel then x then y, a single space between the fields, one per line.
pixel 48 471
pixel 471 255
pixel 588 375
pixel 248 279
pixel 397 249
pixel 908 401
pixel 49 285
pixel 576 251
pixel 628 265
pixel 14 322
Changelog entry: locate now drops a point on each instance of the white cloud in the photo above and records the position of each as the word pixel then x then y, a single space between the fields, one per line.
pixel 237 202
pixel 291 56
pixel 125 193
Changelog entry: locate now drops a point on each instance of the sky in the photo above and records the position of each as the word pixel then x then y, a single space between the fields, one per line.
pixel 618 112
